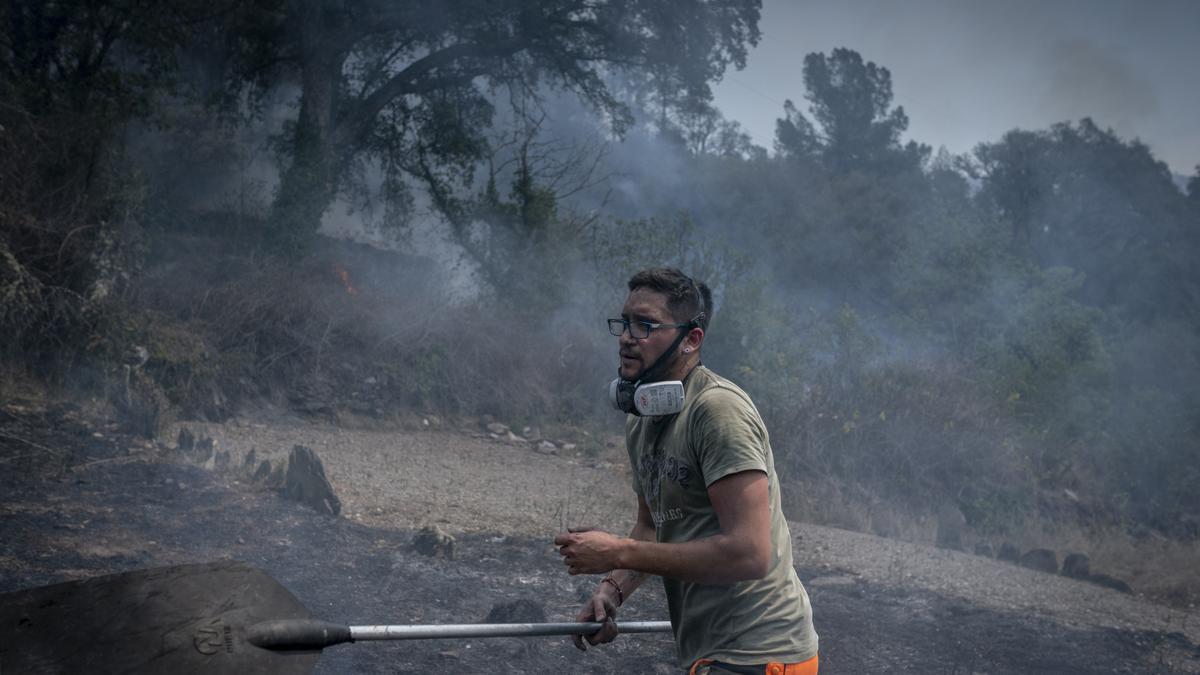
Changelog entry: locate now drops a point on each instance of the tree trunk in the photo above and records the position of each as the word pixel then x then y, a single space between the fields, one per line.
pixel 309 184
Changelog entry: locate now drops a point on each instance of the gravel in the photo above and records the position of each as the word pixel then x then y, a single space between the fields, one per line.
pixel 467 484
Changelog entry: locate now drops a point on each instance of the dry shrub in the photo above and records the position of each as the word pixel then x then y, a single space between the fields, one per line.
pixel 910 436
pixel 316 329
pixel 1162 568
pixel 68 244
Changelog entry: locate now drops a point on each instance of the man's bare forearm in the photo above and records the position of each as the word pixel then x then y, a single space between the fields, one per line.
pixel 629 580
pixel 719 559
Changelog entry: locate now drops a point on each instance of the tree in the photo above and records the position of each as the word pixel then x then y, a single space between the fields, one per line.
pixel 1078 196
pixel 856 125
pixel 703 130
pixel 409 84
pixel 523 243
pixel 72 71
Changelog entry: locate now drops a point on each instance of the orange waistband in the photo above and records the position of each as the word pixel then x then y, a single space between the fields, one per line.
pixel 808 667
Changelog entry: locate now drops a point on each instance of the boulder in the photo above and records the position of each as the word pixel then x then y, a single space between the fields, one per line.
pixel 1110 582
pixel 950 525
pixel 1041 559
pixel 1009 552
pixel 276 477
pixel 433 541
pixel 306 482
pixel 984 549
pixel 186 440
pixel 883 523
pixel 523 610
pixel 202 450
pixel 1076 566
pixel 263 472
pixel 497 428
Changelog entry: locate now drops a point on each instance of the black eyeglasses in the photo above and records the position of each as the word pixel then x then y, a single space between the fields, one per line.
pixel 638 330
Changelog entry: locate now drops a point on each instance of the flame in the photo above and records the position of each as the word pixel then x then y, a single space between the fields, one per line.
pixel 344 276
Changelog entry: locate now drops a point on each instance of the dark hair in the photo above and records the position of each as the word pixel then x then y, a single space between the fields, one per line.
pixel 686 298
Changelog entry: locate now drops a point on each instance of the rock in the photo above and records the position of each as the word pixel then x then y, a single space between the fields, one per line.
pixel 1009 553
pixel 1041 559
pixel 433 541
pixel 314 407
pixel 141 404
pixel 546 448
pixel 514 439
pixel 498 428
pixel 984 549
pixel 276 478
pixel 950 526
pixel 202 451
pixel 523 610
pixel 883 523
pixel 532 433
pixel 263 473
pixel 1076 566
pixel 306 482
pixel 567 447
pixel 1110 582
pixel 186 440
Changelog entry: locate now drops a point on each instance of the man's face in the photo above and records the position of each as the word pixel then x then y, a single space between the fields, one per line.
pixel 636 355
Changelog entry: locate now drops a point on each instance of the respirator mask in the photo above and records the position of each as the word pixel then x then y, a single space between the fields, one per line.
pixel 651 399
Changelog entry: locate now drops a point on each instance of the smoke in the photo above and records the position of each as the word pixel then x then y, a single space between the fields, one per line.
pixel 1089 79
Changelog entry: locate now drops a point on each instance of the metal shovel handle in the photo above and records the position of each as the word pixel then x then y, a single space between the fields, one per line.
pixel 482 630
pixel 314 634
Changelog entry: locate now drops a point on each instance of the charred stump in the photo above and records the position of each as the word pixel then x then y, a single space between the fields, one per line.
pixel 306 482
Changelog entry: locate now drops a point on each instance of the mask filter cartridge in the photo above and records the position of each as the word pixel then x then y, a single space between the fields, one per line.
pixel 652 399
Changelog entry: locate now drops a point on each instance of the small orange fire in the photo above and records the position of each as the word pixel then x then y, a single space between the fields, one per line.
pixel 345 278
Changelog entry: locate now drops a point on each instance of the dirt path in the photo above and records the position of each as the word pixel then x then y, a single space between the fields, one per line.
pixel 881 605
pixel 450 479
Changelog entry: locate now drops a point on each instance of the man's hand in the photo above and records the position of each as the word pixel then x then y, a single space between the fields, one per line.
pixel 602 607
pixel 588 551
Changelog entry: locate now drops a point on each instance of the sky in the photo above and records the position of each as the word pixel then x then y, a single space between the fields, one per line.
pixel 966 71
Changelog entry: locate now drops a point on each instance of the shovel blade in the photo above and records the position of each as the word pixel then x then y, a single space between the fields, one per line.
pixel 182 619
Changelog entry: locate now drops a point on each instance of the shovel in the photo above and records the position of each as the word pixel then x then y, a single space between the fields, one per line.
pixel 223 617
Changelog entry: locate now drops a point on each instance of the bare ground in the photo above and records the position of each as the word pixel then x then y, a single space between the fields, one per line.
pixel 73 505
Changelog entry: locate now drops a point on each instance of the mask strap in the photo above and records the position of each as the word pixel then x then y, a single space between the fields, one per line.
pixel 667 354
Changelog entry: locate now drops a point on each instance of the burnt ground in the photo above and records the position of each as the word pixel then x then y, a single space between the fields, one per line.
pixel 73 505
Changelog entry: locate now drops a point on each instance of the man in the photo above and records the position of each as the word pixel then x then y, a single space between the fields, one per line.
pixel 709 520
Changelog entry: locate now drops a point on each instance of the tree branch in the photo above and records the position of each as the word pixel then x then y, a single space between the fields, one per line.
pixel 415 79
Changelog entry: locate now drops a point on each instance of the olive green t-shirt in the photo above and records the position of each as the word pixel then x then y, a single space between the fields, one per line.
pixel 675 458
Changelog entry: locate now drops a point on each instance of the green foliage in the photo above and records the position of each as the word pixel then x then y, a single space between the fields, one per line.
pixel 426 373
pixel 1080 197
pixel 396 80
pixel 856 127
pixel 1050 362
pixel 971 328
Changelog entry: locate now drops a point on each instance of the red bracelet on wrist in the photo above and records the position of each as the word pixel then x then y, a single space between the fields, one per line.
pixel 620 594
